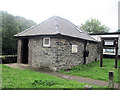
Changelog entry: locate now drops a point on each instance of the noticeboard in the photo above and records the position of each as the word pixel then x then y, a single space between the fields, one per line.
pixel 109 42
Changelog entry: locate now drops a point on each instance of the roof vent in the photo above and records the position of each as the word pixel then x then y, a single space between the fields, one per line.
pixel 79 29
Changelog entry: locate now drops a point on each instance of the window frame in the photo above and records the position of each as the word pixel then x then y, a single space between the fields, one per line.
pixel 46 45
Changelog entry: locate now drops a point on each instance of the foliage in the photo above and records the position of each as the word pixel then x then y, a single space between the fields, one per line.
pixel 16 78
pixel 9 28
pixel 93 70
pixel 94 26
pixel 12 25
pixel 44 82
pixel 24 23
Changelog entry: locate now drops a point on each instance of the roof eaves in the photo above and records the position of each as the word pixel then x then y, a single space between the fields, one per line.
pixel 79 37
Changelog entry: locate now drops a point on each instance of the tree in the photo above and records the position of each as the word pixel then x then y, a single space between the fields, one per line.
pixel 11 25
pixel 9 28
pixel 24 23
pixel 94 26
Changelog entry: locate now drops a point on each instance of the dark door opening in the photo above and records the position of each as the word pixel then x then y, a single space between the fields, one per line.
pixel 24 54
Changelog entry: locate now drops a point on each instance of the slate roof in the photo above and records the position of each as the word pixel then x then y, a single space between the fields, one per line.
pixel 56 25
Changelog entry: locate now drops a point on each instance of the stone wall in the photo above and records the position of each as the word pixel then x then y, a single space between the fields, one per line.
pixel 30 48
pixel 94 54
pixel 59 55
pixel 65 58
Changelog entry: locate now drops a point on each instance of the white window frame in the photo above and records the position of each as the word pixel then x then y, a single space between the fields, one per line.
pixel 74 48
pixel 46 45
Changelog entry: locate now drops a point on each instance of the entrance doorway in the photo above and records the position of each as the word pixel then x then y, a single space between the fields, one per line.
pixel 24 54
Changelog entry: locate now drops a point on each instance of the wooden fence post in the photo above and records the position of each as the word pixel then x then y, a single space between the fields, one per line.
pixel 101 56
pixel 116 53
pixel 111 80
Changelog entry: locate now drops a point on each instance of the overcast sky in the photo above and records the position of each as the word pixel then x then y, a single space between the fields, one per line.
pixel 76 11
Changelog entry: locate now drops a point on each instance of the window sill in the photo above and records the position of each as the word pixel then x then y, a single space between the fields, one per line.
pixel 46 46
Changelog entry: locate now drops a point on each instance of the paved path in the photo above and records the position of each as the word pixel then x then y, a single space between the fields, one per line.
pixel 62 75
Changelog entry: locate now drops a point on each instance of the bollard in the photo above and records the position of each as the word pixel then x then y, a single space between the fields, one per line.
pixel 111 80
pixel 87 87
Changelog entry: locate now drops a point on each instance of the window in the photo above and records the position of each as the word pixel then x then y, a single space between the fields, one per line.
pixel 74 48
pixel 46 42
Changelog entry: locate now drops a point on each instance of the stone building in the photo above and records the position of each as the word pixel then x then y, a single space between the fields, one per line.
pixel 56 44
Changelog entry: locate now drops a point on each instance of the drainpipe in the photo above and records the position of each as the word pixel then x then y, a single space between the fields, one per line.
pixel 84 52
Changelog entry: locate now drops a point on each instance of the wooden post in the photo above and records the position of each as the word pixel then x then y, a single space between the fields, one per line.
pixel 86 87
pixel 19 50
pixel 101 56
pixel 116 53
pixel 111 80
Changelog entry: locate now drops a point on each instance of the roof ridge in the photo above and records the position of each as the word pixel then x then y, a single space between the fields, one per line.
pixel 71 23
pixel 56 25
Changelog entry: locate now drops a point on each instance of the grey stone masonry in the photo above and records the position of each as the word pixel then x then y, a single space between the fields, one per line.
pixel 30 45
pixel 59 55
pixel 93 52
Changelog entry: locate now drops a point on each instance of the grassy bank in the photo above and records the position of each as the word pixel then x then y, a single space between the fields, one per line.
pixel 16 78
pixel 93 70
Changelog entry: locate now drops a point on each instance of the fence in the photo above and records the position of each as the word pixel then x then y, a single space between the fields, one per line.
pixel 9 59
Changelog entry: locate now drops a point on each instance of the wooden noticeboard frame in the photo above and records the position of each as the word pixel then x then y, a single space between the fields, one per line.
pixel 114 46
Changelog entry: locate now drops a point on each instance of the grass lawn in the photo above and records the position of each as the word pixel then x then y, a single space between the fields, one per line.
pixel 93 70
pixel 16 78
pixel 2 56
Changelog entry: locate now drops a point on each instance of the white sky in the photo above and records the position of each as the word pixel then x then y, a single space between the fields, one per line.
pixel 76 11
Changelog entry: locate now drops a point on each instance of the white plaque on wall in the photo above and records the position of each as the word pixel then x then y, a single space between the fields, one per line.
pixel 74 48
